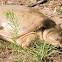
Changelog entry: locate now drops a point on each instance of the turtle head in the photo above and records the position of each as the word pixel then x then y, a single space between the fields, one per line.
pixel 52 37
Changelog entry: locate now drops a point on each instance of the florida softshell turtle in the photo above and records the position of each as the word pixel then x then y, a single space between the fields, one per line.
pixel 30 24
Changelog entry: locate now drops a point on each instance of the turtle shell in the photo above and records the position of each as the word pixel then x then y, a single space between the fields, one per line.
pixel 28 19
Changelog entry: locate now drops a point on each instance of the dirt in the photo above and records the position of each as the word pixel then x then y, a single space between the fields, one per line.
pixel 49 9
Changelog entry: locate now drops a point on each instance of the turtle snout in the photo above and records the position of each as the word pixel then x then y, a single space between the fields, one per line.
pixel 59 39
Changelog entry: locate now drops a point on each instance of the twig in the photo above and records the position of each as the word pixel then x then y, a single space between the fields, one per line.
pixel 37 3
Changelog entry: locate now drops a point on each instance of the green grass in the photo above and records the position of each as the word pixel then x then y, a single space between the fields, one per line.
pixel 58 9
pixel 13 23
pixel 41 51
pixel 38 51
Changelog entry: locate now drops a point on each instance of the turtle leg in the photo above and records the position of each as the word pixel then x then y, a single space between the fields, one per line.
pixel 5 36
pixel 40 34
pixel 25 40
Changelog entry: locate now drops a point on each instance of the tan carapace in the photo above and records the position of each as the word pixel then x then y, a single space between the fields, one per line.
pixel 31 23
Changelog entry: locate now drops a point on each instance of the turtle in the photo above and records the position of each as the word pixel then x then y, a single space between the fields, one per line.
pixel 30 23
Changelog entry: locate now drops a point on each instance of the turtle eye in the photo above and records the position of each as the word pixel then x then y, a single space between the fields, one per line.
pixel 56 39
pixel 1 27
pixel 61 41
